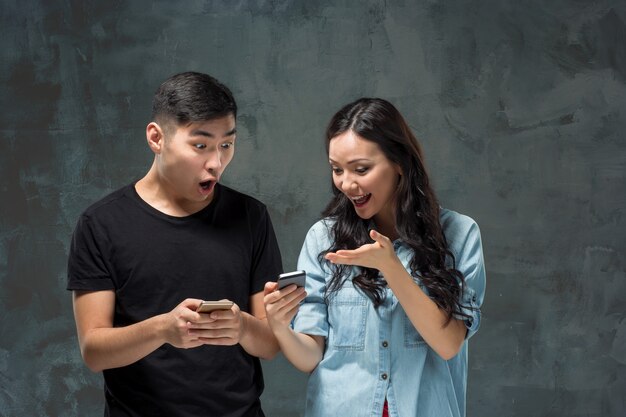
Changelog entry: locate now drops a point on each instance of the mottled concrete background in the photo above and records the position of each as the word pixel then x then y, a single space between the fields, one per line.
pixel 521 106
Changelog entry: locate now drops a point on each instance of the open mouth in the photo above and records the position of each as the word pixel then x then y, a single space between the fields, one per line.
pixel 206 187
pixel 361 200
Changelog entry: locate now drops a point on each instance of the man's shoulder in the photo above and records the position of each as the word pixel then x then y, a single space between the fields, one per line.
pixel 234 197
pixel 110 202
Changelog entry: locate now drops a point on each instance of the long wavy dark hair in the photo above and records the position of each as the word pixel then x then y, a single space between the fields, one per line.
pixel 416 209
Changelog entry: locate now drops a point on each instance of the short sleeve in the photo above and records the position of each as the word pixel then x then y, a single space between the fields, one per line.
pixel 267 262
pixel 471 264
pixel 87 267
pixel 312 317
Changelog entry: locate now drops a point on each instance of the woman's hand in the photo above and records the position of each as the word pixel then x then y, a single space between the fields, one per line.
pixel 378 255
pixel 281 305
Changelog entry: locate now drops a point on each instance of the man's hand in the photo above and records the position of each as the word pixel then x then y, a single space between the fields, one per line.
pixel 177 325
pixel 219 327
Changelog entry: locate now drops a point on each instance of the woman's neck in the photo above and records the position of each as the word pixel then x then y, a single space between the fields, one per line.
pixel 386 225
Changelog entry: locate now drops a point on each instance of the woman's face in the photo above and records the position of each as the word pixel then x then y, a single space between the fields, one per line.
pixel 364 174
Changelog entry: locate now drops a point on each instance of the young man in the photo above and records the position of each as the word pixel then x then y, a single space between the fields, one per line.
pixel 144 257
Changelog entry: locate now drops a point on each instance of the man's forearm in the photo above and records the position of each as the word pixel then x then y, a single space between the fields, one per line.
pixel 257 338
pixel 106 348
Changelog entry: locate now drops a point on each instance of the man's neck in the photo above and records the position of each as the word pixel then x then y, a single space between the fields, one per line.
pixel 158 194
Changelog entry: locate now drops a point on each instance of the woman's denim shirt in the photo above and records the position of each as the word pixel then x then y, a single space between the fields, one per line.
pixel 376 353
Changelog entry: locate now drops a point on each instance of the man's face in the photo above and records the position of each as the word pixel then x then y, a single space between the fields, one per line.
pixel 193 158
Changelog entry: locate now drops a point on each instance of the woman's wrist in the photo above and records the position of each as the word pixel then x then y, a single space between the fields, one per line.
pixel 393 269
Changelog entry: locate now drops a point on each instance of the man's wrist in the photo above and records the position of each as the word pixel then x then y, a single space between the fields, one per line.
pixel 159 327
pixel 244 327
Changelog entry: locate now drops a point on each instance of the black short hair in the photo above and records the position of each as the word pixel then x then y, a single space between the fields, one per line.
pixel 191 97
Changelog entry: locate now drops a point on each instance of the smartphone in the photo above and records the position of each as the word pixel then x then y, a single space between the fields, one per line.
pixel 288 278
pixel 208 306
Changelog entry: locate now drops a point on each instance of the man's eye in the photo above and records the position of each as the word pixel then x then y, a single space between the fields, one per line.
pixel 227 145
pixel 199 145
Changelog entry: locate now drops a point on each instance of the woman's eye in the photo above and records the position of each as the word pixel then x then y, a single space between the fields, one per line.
pixel 361 170
pixel 199 146
pixel 337 170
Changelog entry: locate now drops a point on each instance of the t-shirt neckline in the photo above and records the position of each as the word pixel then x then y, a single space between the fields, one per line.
pixel 134 195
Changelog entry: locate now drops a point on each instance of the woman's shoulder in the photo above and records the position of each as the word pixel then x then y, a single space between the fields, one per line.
pixel 320 232
pixel 457 227
pixel 322 227
pixel 451 218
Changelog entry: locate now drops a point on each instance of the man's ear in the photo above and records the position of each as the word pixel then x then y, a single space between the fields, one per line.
pixel 155 137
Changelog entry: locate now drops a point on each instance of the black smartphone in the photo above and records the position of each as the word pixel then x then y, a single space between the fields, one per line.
pixel 288 278
pixel 208 306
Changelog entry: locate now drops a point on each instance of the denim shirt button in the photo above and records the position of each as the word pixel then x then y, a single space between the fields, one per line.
pixel 384 376
pixel 385 344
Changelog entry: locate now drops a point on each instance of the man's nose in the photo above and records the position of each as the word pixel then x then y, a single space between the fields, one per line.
pixel 214 162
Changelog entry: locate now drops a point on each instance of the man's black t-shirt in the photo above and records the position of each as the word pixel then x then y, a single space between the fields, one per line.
pixel 153 262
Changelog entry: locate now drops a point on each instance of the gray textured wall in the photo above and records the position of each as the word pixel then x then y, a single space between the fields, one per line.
pixel 521 107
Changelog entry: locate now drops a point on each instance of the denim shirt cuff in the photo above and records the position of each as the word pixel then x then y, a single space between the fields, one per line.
pixel 470 307
pixel 311 319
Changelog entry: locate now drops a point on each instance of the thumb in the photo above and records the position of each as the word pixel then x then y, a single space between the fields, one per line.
pixel 270 287
pixel 382 239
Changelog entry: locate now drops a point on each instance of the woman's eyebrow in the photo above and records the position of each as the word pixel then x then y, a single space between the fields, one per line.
pixel 353 161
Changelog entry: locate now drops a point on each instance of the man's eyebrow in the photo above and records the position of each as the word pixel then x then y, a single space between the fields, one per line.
pixel 200 132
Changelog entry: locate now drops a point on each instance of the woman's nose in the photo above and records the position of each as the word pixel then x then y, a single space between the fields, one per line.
pixel 348 185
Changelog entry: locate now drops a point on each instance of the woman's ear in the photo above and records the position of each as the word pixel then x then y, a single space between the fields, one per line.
pixel 155 137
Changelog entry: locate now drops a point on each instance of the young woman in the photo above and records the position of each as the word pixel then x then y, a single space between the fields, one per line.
pixel 394 282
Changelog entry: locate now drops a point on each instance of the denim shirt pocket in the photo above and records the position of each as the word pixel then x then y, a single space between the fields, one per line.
pixel 412 338
pixel 347 313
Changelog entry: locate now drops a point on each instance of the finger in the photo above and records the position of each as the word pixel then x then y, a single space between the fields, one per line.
pixel 270 287
pixel 206 325
pixel 213 333
pixel 191 303
pixel 191 316
pixel 275 296
pixel 223 341
pixel 204 318
pixel 291 290
pixel 292 312
pixel 293 299
pixel 380 238
pixel 358 251
pixel 222 314
pixel 346 253
pixel 332 256
pixel 339 259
